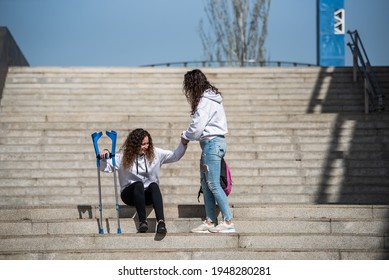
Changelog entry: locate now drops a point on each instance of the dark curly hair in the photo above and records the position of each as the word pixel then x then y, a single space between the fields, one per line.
pixel 132 145
pixel 194 85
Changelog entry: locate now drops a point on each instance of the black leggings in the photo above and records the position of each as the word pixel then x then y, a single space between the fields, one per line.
pixel 136 195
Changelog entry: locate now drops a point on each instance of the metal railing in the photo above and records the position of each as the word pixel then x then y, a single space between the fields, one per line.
pixel 361 65
pixel 230 64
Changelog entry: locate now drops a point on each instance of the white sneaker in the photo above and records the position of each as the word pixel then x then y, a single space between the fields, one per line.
pixel 222 227
pixel 203 228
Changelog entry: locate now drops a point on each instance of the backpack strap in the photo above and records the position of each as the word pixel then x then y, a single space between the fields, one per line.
pixel 199 193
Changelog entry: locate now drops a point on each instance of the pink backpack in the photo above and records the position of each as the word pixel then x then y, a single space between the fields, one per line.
pixel 225 179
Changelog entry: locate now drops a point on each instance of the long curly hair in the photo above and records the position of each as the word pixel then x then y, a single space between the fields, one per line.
pixel 194 85
pixel 132 145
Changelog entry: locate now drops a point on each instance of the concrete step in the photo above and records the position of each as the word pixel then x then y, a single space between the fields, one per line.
pixel 284 158
pixel 230 94
pixel 172 198
pixel 184 167
pixel 258 226
pixel 261 121
pixel 34 138
pixel 256 147
pixel 114 242
pixel 176 74
pixel 229 104
pixel 68 212
pixel 303 198
pixel 214 254
pixel 241 211
pixel 186 242
pixel 236 138
pixel 333 118
pixel 127 76
pixel 212 73
pixel 278 88
pixel 70 189
pixel 158 110
pixel 268 177
pixel 174 81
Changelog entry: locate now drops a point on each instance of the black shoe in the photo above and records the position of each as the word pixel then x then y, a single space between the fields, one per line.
pixel 143 227
pixel 161 228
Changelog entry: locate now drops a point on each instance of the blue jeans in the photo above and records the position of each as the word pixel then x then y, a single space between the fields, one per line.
pixel 212 152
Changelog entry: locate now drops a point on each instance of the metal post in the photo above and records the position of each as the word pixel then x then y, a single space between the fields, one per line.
pixel 366 98
pixel 355 59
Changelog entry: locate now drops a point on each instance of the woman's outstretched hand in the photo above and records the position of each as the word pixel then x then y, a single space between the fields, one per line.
pixel 184 141
pixel 103 153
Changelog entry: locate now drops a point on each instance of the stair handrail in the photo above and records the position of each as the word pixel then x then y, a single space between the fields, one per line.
pixel 225 63
pixel 361 64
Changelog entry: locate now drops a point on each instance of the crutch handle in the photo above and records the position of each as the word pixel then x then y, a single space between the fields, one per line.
pixel 95 138
pixel 107 156
pixel 113 135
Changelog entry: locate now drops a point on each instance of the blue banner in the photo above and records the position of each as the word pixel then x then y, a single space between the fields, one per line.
pixel 331 32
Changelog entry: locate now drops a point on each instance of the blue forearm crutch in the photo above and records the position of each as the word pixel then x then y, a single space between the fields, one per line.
pixel 95 138
pixel 113 134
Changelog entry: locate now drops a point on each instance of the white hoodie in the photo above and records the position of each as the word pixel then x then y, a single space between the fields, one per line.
pixel 142 170
pixel 209 120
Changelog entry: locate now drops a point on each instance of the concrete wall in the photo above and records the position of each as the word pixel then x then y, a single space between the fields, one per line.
pixel 10 55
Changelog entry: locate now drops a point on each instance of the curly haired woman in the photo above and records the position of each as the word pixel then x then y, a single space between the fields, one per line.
pixel 138 163
pixel 209 126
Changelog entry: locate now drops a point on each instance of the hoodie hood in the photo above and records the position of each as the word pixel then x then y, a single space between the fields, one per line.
pixel 210 94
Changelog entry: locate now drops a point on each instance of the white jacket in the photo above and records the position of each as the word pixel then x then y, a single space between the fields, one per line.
pixel 139 171
pixel 209 120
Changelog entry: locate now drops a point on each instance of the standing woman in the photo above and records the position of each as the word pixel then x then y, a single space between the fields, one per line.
pixel 209 125
pixel 138 163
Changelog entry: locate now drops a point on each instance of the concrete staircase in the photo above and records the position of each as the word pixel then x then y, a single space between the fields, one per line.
pixel 310 169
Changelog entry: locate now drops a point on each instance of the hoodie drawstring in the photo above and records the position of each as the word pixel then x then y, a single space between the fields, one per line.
pixel 137 171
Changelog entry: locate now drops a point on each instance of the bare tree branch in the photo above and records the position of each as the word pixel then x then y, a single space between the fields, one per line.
pixel 237 30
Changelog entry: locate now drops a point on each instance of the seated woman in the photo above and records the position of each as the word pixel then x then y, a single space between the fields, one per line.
pixel 138 163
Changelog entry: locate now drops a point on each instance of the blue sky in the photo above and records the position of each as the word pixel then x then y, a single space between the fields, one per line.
pixel 134 32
